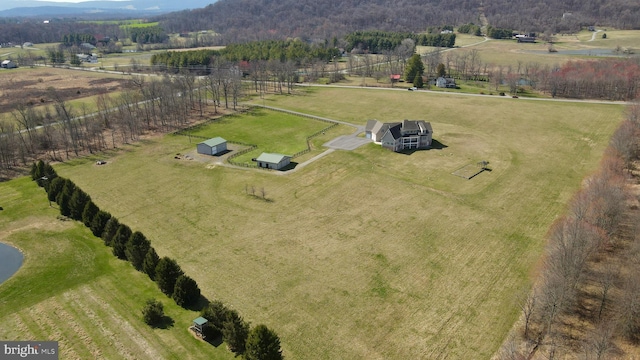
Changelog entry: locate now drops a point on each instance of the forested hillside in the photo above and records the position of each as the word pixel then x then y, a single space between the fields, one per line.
pixel 242 20
pixel 245 20
pixel 562 16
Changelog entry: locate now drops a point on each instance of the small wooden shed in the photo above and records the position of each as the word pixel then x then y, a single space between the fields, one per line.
pixel 199 325
pixel 212 146
pixel 273 161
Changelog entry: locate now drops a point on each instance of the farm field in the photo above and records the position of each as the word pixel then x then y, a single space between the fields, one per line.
pixel 509 52
pixel 31 86
pixel 71 289
pixel 369 254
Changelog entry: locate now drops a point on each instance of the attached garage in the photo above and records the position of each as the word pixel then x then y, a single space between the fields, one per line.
pixel 273 161
pixel 212 146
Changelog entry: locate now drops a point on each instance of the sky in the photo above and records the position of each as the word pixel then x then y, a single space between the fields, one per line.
pixel 184 4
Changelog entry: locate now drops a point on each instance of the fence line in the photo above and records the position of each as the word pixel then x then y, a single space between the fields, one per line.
pixel 251 147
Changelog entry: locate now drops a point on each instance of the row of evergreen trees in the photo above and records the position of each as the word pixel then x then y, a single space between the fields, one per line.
pixel 125 243
pixel 277 50
pixel 379 41
pixel 258 343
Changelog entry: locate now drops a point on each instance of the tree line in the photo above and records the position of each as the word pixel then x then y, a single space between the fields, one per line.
pixel 61 131
pixel 282 51
pixel 610 79
pixel 590 267
pixel 147 34
pixel 77 39
pixel 256 343
pixel 378 41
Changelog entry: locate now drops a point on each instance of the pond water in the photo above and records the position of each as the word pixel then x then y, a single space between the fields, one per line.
pixel 10 261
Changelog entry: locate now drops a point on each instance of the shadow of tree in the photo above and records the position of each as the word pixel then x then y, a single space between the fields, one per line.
pixel 165 323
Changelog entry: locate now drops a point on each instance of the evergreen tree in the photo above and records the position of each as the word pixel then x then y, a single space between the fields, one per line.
pixel 136 248
pixel 440 70
pixel 89 213
pixel 119 241
pixel 186 291
pixel 418 82
pixel 153 312
pixel 216 313
pixel 167 273
pixel 263 344
pixel 69 187
pixel 150 262
pixel 99 222
pixel 110 230
pixel 77 203
pixel 63 203
pixel 414 67
pixel 235 331
pixel 55 188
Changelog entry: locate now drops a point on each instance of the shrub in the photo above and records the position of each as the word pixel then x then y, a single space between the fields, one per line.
pixel 153 312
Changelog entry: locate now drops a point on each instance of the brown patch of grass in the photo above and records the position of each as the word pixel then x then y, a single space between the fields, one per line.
pixel 31 86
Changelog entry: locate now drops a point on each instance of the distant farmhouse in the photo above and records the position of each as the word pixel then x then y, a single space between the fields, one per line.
pixel 273 161
pixel 526 38
pixel 212 146
pixel 91 59
pixel 8 64
pixel 443 82
pixel 396 136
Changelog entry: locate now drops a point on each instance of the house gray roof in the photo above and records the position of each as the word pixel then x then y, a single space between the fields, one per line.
pixel 395 131
pixel 271 158
pixel 214 142
pixel 408 125
pixel 370 125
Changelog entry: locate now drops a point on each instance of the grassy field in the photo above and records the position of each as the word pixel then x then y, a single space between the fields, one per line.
pixel 71 289
pixel 369 254
pixel 509 52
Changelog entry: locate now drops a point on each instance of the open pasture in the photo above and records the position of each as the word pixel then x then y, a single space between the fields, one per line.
pixel 369 254
pixel 71 289
pixel 510 52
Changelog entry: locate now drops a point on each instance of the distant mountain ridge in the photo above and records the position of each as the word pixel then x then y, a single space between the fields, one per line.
pixel 31 8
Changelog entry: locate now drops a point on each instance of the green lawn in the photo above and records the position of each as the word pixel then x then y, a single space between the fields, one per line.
pixel 369 254
pixel 71 289
pixel 271 131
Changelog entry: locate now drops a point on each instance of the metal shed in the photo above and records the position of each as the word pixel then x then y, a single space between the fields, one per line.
pixel 273 161
pixel 212 146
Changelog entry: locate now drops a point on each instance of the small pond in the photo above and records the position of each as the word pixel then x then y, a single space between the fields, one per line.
pixel 10 261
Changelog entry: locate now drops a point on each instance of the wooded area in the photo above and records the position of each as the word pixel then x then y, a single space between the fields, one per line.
pixel 247 20
pixel 587 297
pixel 61 131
